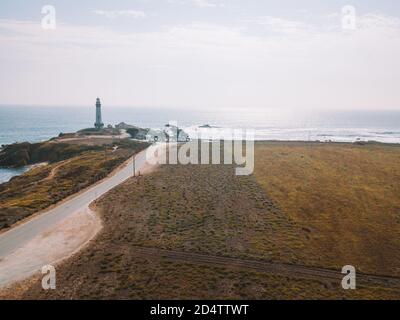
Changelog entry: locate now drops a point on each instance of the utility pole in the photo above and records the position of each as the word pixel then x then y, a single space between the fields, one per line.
pixel 134 168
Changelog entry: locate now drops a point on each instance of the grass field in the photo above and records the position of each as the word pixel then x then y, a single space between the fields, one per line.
pixel 346 197
pixel 46 185
pixel 273 215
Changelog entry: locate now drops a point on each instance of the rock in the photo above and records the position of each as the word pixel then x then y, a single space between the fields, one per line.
pixel 15 155
pixel 21 154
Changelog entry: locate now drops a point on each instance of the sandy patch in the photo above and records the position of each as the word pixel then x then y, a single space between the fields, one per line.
pixel 52 246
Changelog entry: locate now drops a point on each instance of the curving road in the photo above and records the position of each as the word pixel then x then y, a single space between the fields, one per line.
pixel 22 234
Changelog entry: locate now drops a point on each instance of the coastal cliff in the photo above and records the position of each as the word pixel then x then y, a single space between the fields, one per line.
pixel 72 167
pixel 25 153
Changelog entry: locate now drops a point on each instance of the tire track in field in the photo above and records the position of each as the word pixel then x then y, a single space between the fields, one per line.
pixel 279 269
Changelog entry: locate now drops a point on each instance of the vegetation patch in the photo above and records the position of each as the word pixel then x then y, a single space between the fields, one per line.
pixel 99 132
pixel 22 154
pixel 207 209
pixel 46 185
pixel 345 198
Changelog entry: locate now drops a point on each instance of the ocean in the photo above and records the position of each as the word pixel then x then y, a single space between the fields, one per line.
pixel 33 124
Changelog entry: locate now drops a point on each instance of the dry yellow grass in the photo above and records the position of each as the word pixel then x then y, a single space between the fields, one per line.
pixel 346 197
pixel 318 204
pixel 46 185
pixel 206 209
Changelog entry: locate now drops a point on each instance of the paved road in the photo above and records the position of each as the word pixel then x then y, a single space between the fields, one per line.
pixel 21 234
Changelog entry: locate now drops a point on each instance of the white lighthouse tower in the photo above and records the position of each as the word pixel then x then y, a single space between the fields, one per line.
pixel 98 124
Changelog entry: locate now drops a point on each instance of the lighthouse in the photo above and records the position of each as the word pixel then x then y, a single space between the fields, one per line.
pixel 98 124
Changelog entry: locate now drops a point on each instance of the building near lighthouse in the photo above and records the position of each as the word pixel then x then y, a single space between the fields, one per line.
pixel 99 123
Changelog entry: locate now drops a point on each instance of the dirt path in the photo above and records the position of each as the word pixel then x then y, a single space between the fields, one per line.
pixel 54 171
pixel 122 135
pixel 286 270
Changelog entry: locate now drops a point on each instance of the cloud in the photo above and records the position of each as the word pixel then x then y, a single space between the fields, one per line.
pixel 280 25
pixel 198 3
pixel 206 4
pixel 121 13
pixel 205 65
pixel 373 21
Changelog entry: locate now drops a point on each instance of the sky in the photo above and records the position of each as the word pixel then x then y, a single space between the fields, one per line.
pixel 202 54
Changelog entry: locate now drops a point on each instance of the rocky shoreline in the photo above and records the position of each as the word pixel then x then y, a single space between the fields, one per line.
pixel 22 154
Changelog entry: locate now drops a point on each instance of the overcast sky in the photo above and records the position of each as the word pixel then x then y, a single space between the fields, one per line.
pixel 202 54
